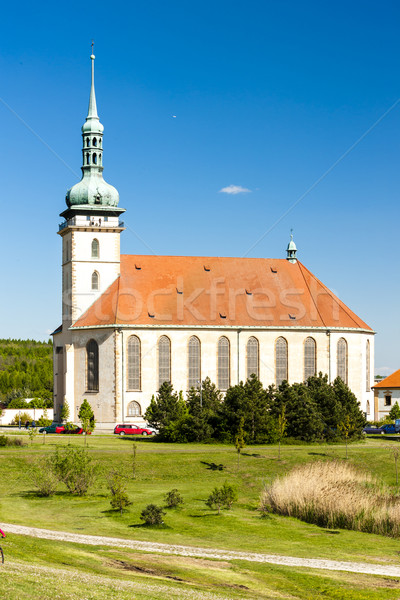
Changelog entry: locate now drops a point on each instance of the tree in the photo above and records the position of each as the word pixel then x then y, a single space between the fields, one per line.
pixel 64 414
pixel 152 515
pixel 346 427
pixel 86 417
pixel 74 467
pixel 204 405
pixel 119 497
pixel 173 498
pixel 166 408
pixel 282 422
pixel 394 412
pixel 222 497
pixel 239 440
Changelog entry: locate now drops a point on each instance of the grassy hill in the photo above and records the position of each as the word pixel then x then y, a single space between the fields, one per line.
pixel 26 369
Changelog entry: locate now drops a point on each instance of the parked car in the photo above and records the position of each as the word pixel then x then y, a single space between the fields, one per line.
pixel 53 428
pixel 388 428
pixel 131 429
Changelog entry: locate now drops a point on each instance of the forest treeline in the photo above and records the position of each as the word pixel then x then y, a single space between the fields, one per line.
pixel 26 371
pixel 311 411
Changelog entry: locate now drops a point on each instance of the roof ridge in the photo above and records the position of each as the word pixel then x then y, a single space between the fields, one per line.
pixel 311 295
pixel 344 306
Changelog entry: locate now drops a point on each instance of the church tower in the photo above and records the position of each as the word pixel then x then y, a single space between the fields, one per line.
pixel 91 229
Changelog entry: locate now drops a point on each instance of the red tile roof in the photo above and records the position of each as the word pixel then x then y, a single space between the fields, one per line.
pixel 392 381
pixel 212 291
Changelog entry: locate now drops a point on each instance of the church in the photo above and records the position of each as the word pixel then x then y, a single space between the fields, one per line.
pixel 132 322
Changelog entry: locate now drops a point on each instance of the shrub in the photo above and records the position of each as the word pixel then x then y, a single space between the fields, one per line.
pixel 24 418
pixel 119 497
pixel 173 498
pixel 222 497
pixel 43 476
pixel 74 467
pixel 43 422
pixel 152 515
pixel 10 441
pixel 334 494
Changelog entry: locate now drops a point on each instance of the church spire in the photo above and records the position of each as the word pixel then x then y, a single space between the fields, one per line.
pixel 92 189
pixel 291 250
pixel 92 112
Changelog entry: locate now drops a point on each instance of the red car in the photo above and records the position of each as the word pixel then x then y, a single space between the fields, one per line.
pixel 131 429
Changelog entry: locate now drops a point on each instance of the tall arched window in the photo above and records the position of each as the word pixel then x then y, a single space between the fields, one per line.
pixel 310 358
pixel 252 357
pixel 95 249
pixel 367 367
pixel 134 359
pixel 194 354
pixel 92 366
pixel 224 370
pixel 164 360
pixel 281 360
pixel 134 409
pixel 342 359
pixel 95 280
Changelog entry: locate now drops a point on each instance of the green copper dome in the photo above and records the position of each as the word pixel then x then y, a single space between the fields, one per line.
pixel 92 189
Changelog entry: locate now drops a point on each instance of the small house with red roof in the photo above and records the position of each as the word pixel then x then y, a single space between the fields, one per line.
pixel 386 394
pixel 132 322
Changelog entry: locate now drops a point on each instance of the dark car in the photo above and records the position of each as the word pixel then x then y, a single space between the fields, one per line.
pixel 53 428
pixel 131 429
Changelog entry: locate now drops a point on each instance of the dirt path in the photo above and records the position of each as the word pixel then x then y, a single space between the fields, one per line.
pixel 195 552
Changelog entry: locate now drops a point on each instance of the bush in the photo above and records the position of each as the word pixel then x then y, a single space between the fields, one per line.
pixel 74 467
pixel 152 515
pixel 24 418
pixel 173 498
pixel 222 497
pixel 334 494
pixel 119 497
pixel 10 441
pixel 43 476
pixel 43 422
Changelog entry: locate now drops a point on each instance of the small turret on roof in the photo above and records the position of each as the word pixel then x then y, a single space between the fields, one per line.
pixel 291 250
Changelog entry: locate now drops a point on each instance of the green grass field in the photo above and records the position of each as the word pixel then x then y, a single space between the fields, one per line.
pixel 159 468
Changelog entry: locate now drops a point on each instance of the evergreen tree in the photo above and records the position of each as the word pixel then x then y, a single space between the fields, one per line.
pixel 166 408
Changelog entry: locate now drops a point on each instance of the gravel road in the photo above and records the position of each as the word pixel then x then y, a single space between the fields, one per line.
pixel 195 552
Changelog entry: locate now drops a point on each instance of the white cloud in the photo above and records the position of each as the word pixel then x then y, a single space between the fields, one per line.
pixel 234 189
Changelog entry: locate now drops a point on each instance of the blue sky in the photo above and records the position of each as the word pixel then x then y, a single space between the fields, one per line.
pixel 266 96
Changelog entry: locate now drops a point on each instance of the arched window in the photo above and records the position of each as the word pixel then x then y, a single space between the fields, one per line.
pixel 164 360
pixel 95 158
pixel 224 374
pixel 252 357
pixel 95 248
pixel 87 158
pixel 88 142
pixel 92 366
pixel 367 367
pixel 95 280
pixel 368 407
pixel 99 159
pixel 134 360
pixel 342 359
pixel 310 358
pixel 281 360
pixel 134 409
pixel 194 353
pixel 99 142
pixel 94 141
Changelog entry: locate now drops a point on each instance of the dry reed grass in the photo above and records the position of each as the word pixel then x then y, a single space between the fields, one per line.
pixel 334 494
